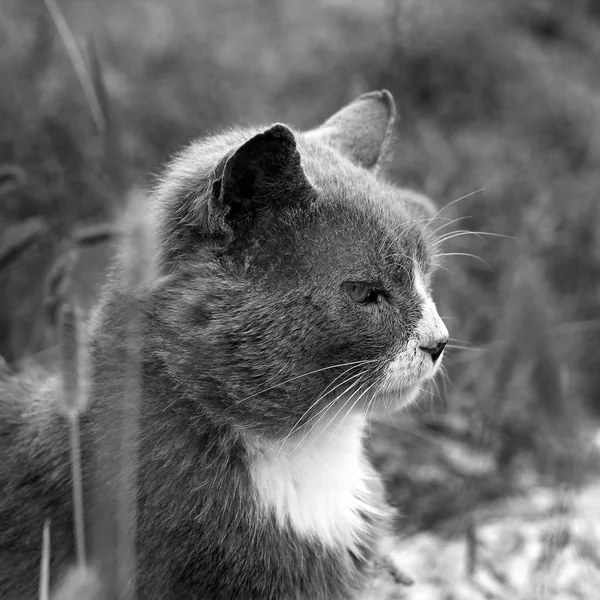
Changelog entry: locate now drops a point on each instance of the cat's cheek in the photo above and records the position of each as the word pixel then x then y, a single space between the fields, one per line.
pixel 405 374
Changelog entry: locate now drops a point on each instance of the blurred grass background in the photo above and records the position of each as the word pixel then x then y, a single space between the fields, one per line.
pixel 499 102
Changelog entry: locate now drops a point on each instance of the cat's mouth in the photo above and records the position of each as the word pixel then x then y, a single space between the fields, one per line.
pixel 404 380
pixel 408 372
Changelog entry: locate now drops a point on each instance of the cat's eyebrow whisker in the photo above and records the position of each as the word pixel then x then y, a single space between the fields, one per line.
pixel 466 254
pixel 450 222
pixel 408 224
pixel 400 255
pixel 397 264
pixel 479 234
pixel 452 234
pixel 447 206
pixel 438 265
pixel 356 363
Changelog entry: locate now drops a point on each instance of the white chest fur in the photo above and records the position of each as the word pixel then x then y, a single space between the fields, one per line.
pixel 319 486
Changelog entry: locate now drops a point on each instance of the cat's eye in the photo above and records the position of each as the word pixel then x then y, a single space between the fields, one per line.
pixel 362 293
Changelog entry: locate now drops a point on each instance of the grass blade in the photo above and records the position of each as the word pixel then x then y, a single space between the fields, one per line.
pixel 78 62
pixel 74 397
pixel 45 566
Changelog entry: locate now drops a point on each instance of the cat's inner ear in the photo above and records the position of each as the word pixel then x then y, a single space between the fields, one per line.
pixel 265 173
pixel 362 130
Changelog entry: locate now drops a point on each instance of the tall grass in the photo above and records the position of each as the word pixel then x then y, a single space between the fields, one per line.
pixel 75 380
pixel 44 593
pixel 112 573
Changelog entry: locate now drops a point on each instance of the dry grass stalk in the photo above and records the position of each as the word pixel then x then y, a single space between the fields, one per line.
pixel 78 62
pixel 58 283
pixel 113 151
pixel 73 359
pixel 138 271
pixel 74 397
pixel 138 254
pixel 44 593
pixel 115 493
pixel 77 491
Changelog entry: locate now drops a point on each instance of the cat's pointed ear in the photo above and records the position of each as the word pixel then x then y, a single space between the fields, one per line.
pixel 263 173
pixel 362 130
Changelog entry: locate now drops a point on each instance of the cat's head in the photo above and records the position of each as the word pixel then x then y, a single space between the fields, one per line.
pixel 295 281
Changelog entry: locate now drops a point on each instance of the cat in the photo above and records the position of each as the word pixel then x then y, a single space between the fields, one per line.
pixel 290 301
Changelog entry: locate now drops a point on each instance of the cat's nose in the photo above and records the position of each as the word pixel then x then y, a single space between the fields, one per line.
pixel 435 350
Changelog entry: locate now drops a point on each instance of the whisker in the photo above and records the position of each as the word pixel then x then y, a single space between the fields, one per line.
pixel 357 363
pixel 455 347
pixel 408 274
pixel 408 224
pixel 400 255
pixel 447 206
pixel 346 402
pixel 454 234
pixel 450 222
pixel 273 377
pixel 323 412
pixel 452 339
pixel 371 406
pixel 319 398
pixel 320 413
pixel 479 234
pixel 437 265
pixel 349 411
pixel 436 384
pixel 449 235
pixel 466 254
pixel 367 419
pixel 444 378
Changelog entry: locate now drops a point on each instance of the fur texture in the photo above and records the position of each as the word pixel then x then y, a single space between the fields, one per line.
pixel 258 368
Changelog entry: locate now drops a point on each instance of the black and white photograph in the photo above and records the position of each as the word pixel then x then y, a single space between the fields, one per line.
pixel 299 300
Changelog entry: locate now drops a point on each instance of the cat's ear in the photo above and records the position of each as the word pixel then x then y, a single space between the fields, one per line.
pixel 264 173
pixel 362 130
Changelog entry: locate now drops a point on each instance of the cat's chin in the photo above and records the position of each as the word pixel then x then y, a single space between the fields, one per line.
pixel 394 400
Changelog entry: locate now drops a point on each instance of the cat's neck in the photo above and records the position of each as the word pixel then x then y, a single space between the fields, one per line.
pixel 319 484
